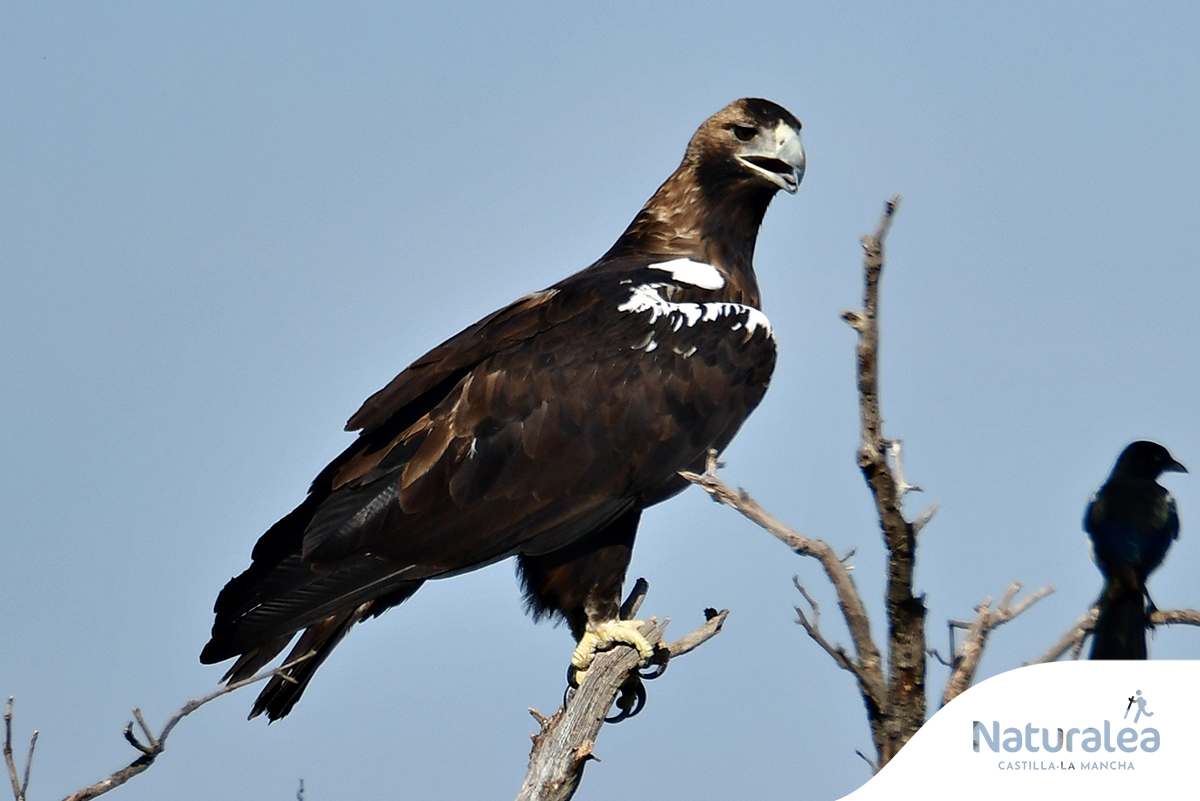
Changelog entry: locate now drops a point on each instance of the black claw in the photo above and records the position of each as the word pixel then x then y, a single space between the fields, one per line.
pixel 572 685
pixel 660 659
pixel 651 675
pixel 631 701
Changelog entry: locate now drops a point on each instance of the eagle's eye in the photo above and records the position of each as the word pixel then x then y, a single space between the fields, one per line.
pixel 744 133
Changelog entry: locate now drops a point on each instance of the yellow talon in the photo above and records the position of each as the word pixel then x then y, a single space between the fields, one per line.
pixel 582 657
pixel 605 634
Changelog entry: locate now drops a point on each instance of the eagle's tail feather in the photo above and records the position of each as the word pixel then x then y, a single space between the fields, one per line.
pixel 255 659
pixel 293 597
pixel 317 642
pixel 259 611
pixel 1120 631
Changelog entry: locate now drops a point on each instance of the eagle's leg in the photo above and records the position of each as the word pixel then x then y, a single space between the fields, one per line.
pixel 582 583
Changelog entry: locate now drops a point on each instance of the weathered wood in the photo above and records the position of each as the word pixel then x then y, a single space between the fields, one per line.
pixel 866 665
pixel 1081 629
pixel 565 743
pixel 968 655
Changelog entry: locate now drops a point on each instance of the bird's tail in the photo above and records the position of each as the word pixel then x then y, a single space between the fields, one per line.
pixel 1120 631
pixel 259 611
pixel 313 647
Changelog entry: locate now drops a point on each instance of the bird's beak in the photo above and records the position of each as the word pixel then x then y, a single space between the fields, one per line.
pixel 777 156
pixel 1175 467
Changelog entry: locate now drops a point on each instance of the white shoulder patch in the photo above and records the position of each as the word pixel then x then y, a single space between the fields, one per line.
pixel 686 271
pixel 647 298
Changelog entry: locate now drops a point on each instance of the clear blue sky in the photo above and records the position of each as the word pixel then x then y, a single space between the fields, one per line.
pixel 222 226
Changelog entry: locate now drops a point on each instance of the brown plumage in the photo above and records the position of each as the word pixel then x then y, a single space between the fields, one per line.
pixel 541 431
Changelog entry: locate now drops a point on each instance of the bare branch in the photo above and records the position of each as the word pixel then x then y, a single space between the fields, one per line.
pixel 895 705
pixel 8 752
pixel 1077 648
pixel 156 744
pixel 838 572
pixel 20 786
pixel 539 717
pixel 699 636
pixel 1175 617
pixel 895 450
pixel 987 620
pixel 937 655
pixel 870 762
pixel 565 741
pixel 867 661
pixel 923 519
pixel 33 738
pixel 905 610
pixel 837 652
pixel 1078 632
pixel 141 721
pixel 132 739
pixel 1075 637
pixel 633 603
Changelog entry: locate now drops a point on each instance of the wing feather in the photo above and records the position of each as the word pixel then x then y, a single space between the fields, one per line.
pixel 516 322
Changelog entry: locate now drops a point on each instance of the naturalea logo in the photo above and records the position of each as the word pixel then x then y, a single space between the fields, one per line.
pixel 1130 735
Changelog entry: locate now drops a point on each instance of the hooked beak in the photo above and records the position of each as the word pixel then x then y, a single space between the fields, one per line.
pixel 777 156
pixel 1175 467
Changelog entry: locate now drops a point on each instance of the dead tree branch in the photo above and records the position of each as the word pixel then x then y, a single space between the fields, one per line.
pixel 968 655
pixel 872 684
pixel 895 702
pixel 866 664
pixel 1076 636
pixel 1175 617
pixel 149 745
pixel 20 787
pixel 885 478
pixel 564 743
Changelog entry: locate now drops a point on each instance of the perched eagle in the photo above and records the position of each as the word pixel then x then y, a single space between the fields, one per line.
pixel 1132 521
pixel 541 431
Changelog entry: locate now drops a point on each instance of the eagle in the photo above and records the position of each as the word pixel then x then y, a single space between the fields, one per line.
pixel 541 432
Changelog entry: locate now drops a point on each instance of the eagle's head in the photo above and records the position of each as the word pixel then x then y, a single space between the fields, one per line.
pixel 710 208
pixel 751 144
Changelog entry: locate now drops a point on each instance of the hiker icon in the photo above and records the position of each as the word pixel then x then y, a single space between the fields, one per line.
pixel 1139 699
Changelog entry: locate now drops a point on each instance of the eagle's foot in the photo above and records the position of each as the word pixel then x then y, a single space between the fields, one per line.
pixel 604 636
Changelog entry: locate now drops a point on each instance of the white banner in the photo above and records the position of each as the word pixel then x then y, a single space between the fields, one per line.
pixel 1098 730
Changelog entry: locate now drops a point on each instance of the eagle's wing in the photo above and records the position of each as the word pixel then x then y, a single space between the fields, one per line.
pixel 451 360
pixel 545 439
pixel 532 428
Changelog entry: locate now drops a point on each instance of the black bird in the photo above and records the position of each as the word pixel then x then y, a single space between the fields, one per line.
pixel 1131 521
pixel 541 431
